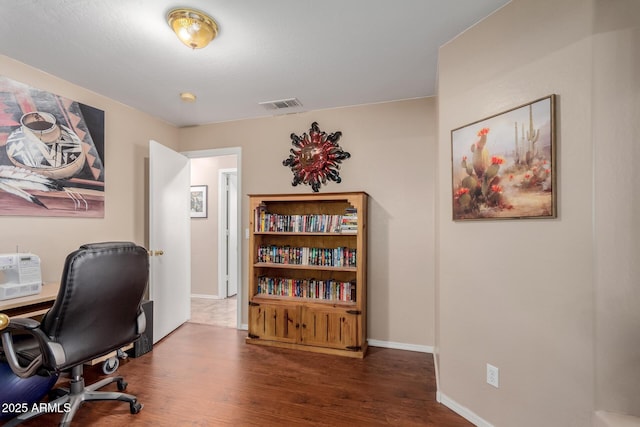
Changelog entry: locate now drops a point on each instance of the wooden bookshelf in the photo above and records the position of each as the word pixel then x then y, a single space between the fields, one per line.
pixel 307 272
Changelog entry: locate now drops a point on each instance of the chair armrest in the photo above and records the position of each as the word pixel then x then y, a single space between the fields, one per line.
pixel 141 322
pixel 24 325
pixel 21 324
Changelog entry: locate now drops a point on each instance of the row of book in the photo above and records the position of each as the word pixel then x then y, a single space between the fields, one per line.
pixel 313 223
pixel 349 222
pixel 336 257
pixel 327 290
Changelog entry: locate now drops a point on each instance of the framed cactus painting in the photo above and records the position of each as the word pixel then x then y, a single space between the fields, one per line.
pixel 504 166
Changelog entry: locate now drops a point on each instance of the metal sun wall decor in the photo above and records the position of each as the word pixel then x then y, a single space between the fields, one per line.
pixel 51 154
pixel 316 158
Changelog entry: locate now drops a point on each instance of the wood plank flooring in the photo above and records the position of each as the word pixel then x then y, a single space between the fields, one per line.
pixel 204 375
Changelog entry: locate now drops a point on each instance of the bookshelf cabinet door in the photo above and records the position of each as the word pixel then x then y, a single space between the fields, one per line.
pixel 273 322
pixel 330 328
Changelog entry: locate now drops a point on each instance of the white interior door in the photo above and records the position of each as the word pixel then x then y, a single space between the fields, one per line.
pixel 169 239
pixel 228 233
pixel 232 245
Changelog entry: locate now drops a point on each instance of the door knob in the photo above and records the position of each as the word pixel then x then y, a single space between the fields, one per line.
pixel 158 253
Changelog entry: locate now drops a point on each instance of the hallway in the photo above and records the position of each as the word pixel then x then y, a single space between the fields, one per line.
pixel 218 312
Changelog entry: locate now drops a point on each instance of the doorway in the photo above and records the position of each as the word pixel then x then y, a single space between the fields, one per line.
pixel 216 248
pixel 227 232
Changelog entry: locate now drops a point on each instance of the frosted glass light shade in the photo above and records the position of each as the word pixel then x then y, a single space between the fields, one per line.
pixel 195 29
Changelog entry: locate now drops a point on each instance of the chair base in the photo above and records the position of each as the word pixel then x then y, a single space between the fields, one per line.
pixel 69 400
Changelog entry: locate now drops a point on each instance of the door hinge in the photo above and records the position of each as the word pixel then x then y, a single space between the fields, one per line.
pixel 253 336
pixel 354 348
pixel 253 304
pixel 354 312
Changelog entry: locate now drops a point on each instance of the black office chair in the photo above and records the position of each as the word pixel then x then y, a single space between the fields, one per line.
pixel 97 311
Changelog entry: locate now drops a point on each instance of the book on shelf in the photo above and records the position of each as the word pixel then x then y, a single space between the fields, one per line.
pixel 349 221
pixel 319 223
pixel 307 223
pixel 322 290
pixel 325 257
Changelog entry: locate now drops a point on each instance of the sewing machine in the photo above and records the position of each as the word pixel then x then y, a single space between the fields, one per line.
pixel 19 275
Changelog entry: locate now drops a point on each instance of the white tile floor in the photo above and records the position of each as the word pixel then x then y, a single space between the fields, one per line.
pixel 219 312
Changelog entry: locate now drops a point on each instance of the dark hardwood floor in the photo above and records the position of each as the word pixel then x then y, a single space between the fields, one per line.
pixel 204 375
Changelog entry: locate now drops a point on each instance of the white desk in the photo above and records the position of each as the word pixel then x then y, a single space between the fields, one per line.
pixel 31 305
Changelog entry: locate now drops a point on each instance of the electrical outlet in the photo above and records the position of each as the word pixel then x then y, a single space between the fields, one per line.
pixel 493 375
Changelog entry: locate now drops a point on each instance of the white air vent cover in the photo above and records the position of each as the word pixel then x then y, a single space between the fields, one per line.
pixel 281 104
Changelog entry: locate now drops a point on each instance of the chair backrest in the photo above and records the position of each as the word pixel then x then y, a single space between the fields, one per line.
pixel 98 306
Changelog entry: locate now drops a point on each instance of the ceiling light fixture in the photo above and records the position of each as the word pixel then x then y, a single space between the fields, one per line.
pixel 194 28
pixel 188 97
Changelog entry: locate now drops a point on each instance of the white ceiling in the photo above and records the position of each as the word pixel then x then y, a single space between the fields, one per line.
pixel 326 53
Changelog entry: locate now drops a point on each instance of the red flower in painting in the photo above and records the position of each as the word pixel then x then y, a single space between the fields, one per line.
pixel 483 131
pixel 460 192
pixel 497 160
pixel 496 188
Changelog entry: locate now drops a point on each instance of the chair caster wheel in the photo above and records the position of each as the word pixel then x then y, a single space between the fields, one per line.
pixel 135 407
pixel 110 365
pixel 122 385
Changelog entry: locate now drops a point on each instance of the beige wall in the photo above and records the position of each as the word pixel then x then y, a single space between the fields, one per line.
pixel 392 159
pixel 204 231
pixel 531 294
pixel 392 147
pixel 615 128
pixel 127 134
pixel 552 303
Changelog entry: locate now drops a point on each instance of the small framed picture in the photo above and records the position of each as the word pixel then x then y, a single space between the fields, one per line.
pixel 199 201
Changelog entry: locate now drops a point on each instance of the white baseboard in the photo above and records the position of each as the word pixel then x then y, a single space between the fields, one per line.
pixel 244 327
pixel 400 346
pixel 205 296
pixel 462 410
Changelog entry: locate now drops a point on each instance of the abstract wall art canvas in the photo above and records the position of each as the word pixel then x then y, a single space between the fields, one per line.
pixel 51 154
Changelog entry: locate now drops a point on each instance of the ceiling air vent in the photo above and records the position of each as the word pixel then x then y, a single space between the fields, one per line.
pixel 281 104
